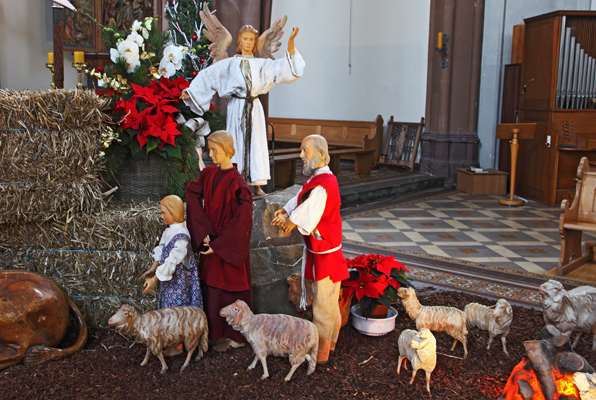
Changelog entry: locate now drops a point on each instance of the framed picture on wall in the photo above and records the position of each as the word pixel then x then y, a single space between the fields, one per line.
pixel 82 33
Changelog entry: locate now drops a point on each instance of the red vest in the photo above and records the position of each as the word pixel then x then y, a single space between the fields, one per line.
pixel 329 227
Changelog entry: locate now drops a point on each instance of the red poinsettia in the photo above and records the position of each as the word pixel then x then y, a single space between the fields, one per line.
pixel 374 279
pixel 148 111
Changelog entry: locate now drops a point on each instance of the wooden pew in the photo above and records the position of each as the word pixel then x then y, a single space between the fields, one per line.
pixel 578 218
pixel 285 164
pixel 340 134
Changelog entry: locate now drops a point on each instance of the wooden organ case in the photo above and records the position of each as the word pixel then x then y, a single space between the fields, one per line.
pixel 559 67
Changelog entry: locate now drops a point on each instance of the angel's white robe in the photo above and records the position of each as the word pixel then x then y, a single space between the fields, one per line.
pixel 233 78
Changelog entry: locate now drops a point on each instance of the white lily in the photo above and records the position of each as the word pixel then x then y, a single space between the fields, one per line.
pixel 136 26
pixel 148 22
pixel 166 68
pixel 134 36
pixel 145 33
pixel 174 54
pixel 128 46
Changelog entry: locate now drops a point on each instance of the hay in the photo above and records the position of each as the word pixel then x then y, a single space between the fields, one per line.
pixel 50 159
pixel 97 259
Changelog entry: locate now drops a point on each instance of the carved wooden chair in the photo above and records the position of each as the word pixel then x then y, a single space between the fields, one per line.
pixel 401 144
pixel 577 218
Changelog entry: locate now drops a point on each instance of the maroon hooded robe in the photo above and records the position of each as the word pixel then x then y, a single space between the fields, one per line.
pixel 219 204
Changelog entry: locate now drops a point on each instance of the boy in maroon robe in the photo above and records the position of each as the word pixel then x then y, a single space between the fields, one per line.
pixel 219 218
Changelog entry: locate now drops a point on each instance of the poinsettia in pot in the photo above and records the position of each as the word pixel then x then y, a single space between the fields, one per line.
pixel 374 280
pixel 144 103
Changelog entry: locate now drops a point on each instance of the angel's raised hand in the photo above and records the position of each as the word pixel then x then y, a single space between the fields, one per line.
pixel 294 33
pixel 291 41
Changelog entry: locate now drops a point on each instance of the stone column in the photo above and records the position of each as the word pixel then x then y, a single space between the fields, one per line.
pixel 451 139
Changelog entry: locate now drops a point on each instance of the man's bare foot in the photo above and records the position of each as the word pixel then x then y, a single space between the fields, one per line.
pixel 259 191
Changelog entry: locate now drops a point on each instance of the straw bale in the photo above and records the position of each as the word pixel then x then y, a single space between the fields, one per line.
pixel 97 258
pixel 49 154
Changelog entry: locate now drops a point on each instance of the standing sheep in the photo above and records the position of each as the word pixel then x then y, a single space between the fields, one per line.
pixel 275 334
pixel 420 349
pixel 494 319
pixel 163 328
pixel 569 311
pixel 436 318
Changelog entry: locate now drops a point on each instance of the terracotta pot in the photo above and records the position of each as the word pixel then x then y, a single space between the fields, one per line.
pixel 379 311
pixel 344 306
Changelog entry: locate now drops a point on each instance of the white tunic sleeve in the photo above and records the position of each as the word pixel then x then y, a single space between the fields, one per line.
pixel 158 249
pixel 213 79
pixel 165 271
pixel 285 70
pixel 307 215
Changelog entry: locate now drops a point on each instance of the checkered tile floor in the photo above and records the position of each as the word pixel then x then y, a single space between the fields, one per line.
pixel 470 228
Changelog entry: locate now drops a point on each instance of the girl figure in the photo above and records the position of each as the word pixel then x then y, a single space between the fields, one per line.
pixel 174 265
pixel 241 79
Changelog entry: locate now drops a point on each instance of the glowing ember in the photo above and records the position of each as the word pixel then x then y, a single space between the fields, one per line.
pixel 523 384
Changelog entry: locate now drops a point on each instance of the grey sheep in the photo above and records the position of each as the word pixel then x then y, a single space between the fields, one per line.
pixel 569 311
pixel 160 329
pixel 275 334
pixel 495 319
pixel 421 349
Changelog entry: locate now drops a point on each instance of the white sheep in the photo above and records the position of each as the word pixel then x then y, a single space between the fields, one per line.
pixel 160 329
pixel 569 311
pixel 436 318
pixel 275 334
pixel 495 319
pixel 421 349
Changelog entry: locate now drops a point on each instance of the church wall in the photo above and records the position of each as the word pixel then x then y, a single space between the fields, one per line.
pixel 383 71
pixel 500 17
pixel 26 32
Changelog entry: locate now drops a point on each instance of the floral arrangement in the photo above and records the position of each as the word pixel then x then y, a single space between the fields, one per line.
pixel 374 280
pixel 143 89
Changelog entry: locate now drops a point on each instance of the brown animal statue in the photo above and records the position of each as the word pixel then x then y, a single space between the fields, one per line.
pixel 276 334
pixel 34 316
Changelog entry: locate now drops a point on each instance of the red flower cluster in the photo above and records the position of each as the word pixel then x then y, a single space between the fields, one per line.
pixel 376 273
pixel 151 110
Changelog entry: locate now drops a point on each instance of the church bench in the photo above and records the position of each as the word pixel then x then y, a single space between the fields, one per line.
pixel 285 164
pixel 577 218
pixel 366 135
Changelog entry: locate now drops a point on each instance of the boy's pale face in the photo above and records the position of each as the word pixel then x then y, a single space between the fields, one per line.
pixel 217 153
pixel 166 216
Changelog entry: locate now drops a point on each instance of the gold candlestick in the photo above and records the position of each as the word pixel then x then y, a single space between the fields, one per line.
pixel 79 67
pixel 51 68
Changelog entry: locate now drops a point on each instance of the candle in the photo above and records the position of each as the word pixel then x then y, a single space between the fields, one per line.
pixel 440 40
pixel 50 58
pixel 79 57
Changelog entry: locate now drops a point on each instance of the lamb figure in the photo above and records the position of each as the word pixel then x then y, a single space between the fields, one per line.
pixel 569 311
pixel 495 319
pixel 436 318
pixel 275 334
pixel 160 329
pixel 421 349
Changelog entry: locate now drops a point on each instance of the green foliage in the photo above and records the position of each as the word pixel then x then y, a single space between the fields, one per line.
pixel 184 22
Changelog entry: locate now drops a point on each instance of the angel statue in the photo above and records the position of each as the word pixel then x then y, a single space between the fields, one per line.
pixel 242 79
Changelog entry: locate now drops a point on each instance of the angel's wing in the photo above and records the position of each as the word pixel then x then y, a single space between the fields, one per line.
pixel 218 35
pixel 269 41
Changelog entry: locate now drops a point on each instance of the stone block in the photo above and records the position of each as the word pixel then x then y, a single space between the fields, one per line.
pixel 270 268
pixel 263 233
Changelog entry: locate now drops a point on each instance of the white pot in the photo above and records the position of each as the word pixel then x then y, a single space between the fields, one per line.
pixel 373 326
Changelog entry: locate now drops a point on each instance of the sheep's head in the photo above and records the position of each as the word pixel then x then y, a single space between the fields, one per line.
pixel 123 317
pixel 425 333
pixel 234 313
pixel 502 308
pixel 551 291
pixel 404 293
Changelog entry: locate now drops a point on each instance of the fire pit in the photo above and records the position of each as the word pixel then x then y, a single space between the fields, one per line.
pixel 546 372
